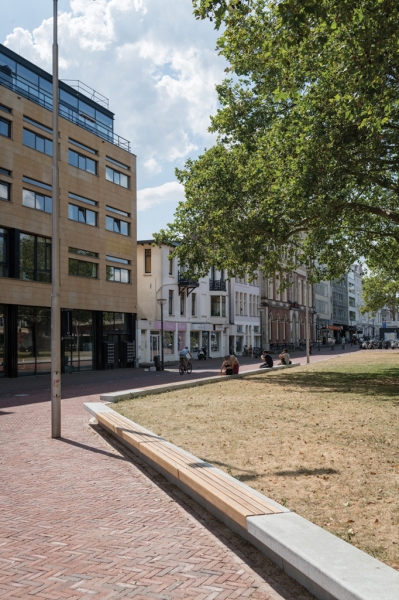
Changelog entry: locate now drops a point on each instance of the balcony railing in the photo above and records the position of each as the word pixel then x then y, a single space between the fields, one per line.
pixel 217 285
pixel 28 90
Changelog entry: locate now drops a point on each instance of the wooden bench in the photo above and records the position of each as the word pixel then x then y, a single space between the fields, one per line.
pixel 225 494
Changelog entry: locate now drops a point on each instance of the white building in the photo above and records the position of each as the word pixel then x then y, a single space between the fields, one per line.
pixel 244 327
pixel 195 312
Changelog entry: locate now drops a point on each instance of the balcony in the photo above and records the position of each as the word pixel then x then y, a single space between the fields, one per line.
pixel 217 285
pixel 186 283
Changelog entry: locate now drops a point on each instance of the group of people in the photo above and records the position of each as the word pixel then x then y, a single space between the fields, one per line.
pixel 231 366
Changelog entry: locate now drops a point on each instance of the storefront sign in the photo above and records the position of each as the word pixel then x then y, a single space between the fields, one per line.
pixel 167 325
pixel 198 326
pixel 182 327
pixel 218 328
pixel 335 328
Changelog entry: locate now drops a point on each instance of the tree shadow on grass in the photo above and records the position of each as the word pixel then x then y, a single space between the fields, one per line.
pixel 299 472
pixel 363 383
pixel 242 474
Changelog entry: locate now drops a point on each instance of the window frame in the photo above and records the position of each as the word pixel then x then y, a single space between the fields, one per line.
pixel 82 157
pixel 8 187
pixel 117 270
pixel 5 241
pixel 147 260
pixel 85 211
pixel 8 123
pixel 170 302
pixel 115 173
pixel 36 270
pixel 46 199
pixel 36 138
pixel 117 221
pixel 80 264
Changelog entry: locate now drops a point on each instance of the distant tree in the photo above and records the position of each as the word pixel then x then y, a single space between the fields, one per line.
pixel 305 167
pixel 380 292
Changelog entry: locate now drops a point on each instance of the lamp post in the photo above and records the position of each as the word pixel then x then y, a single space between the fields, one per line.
pixel 55 254
pixel 161 302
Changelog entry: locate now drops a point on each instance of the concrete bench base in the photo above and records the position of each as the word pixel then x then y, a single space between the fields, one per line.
pixel 157 389
pixel 328 567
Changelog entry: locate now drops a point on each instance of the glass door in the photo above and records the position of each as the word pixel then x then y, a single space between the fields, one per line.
pixel 154 345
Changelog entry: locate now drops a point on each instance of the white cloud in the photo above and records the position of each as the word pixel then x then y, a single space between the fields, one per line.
pixel 152 166
pixel 168 192
pixel 153 60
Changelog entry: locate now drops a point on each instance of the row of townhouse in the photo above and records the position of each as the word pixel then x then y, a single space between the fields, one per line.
pixel 219 314
pixel 339 304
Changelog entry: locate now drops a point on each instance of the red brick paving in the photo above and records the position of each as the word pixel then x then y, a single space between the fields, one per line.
pixel 80 519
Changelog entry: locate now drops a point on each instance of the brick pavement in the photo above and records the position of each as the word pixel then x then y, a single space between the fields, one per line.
pixel 79 518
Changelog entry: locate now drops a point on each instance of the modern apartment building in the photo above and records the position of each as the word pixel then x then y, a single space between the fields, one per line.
pixel 195 311
pixel 97 226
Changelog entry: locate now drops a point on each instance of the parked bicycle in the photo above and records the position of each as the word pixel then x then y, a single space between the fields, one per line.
pixel 185 366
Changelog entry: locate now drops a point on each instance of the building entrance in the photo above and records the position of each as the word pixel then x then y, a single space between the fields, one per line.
pixel 118 339
pixel 154 345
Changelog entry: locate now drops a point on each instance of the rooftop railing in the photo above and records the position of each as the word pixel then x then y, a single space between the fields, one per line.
pixel 30 91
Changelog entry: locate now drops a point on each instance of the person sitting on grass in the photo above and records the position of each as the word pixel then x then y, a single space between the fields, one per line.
pixel 227 367
pixel 284 358
pixel 267 360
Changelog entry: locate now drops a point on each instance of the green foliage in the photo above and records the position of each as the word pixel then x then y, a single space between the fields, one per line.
pixel 308 139
pixel 379 291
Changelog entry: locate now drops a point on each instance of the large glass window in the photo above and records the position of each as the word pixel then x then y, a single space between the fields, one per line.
pixel 82 268
pixel 35 258
pixel 83 215
pixel 117 274
pixel 37 142
pixel 82 199
pixel 215 341
pixel 39 125
pixel 82 162
pixel 5 191
pixel 2 339
pixel 168 341
pixel 5 127
pixel 78 350
pixel 37 201
pixel 4 253
pixel 34 340
pixel 193 304
pixel 114 321
pixel 194 341
pixel 170 303
pixel 117 226
pixel 223 306
pixel 116 177
pixel 215 306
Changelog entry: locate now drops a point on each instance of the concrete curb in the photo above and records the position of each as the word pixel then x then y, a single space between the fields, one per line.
pixel 330 568
pixel 158 389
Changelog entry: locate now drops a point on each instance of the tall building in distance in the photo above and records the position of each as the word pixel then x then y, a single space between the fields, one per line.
pixel 97 226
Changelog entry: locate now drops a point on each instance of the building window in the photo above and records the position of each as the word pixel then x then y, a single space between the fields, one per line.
pixel 39 125
pixel 237 304
pixel 117 211
pixel 117 163
pixel 82 162
pixel 82 215
pixel 5 108
pixel 182 303
pixel 4 253
pixel 116 177
pixel 193 305
pixel 37 142
pixel 122 261
pixel 117 274
pixel 5 191
pixel 299 292
pixel 35 258
pixel 245 305
pixel 37 201
pixel 352 301
pixel 215 306
pixel 83 252
pixel 117 226
pixel 250 305
pixel 82 199
pixel 5 127
pixel 170 302
pixel 352 315
pixel 147 260
pixel 80 145
pixel 270 287
pixel 82 268
pixel 223 306
pixel 170 263
pixel 40 184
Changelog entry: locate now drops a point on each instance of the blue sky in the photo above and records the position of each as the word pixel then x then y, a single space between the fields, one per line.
pixel 155 63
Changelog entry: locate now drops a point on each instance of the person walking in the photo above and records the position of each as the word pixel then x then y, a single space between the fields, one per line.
pixel 343 342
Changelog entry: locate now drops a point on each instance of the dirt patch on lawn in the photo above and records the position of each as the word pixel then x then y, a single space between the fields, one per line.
pixel 320 439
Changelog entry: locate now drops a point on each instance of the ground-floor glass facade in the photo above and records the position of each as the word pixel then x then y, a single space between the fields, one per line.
pixel 25 340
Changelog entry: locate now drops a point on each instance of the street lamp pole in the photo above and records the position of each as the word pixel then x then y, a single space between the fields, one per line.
pixel 162 302
pixel 307 321
pixel 55 253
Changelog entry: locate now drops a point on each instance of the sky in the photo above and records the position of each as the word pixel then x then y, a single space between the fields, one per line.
pixel 154 61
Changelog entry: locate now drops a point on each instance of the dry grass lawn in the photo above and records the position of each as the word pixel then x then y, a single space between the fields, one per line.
pixel 321 439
